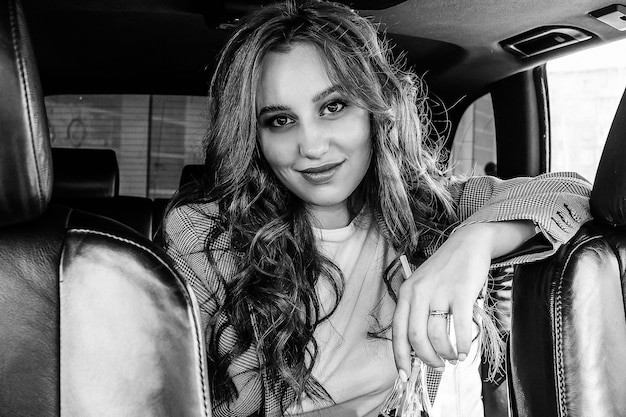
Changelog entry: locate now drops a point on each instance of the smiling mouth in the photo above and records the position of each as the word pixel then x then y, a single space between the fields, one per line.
pixel 321 174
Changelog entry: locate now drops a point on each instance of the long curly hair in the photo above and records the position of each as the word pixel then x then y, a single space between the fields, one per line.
pixel 269 228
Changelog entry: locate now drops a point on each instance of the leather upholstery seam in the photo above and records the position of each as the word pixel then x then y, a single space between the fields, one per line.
pixel 15 32
pixel 199 346
pixel 620 266
pixel 557 323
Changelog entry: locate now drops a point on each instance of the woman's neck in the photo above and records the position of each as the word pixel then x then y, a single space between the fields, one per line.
pixel 333 217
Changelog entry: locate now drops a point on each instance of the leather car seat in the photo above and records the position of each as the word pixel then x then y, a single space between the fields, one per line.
pixel 191 173
pixel 93 319
pixel 567 352
pixel 88 179
pixel 85 173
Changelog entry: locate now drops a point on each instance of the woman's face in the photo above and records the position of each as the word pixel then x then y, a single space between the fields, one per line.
pixel 316 141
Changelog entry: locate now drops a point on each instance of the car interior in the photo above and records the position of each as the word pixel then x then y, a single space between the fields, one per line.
pixel 101 122
pixel 95 319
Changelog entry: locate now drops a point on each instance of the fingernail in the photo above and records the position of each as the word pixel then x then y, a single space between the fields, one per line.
pixel 462 356
pixel 440 369
pixel 402 375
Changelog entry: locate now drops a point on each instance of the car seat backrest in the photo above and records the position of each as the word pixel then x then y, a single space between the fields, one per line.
pixel 88 179
pixel 568 337
pixel 130 334
pixel 191 173
pixel 26 177
pixel 93 319
pixel 84 173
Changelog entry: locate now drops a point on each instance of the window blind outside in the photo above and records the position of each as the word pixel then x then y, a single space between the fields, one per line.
pixel 153 136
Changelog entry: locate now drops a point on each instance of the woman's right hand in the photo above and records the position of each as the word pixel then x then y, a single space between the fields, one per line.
pixel 450 281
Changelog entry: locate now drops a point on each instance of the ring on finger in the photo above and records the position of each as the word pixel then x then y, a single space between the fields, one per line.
pixel 439 313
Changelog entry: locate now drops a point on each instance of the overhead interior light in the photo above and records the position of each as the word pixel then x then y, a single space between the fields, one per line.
pixel 614 15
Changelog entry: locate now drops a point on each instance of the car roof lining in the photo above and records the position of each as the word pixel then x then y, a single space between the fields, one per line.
pixel 149 43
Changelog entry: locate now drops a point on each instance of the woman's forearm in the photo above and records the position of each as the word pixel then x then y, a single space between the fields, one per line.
pixel 501 237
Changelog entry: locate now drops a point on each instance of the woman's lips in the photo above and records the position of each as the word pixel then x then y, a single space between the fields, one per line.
pixel 321 174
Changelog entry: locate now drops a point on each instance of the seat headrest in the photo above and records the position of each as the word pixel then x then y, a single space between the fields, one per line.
pixel 25 170
pixel 84 173
pixel 608 196
pixel 191 173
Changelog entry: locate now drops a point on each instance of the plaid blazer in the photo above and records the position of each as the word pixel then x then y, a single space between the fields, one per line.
pixel 558 204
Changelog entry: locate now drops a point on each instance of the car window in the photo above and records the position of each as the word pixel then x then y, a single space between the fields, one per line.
pixel 584 91
pixel 153 136
pixel 474 145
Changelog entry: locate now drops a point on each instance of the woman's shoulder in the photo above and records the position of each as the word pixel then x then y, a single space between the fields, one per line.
pixel 191 223
pixel 195 211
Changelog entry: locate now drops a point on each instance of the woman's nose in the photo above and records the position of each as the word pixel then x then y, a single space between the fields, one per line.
pixel 314 142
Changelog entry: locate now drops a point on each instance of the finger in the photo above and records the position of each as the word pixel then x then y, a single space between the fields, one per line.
pixel 438 333
pixel 418 335
pixel 463 328
pixel 400 339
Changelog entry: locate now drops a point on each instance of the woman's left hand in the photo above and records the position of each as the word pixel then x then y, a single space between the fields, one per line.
pixel 449 281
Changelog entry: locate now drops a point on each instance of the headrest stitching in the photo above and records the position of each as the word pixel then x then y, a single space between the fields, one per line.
pixel 20 63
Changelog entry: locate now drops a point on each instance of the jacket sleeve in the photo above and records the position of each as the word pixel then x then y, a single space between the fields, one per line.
pixel 558 204
pixel 187 229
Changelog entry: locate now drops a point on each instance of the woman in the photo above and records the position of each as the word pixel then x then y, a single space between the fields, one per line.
pixel 319 175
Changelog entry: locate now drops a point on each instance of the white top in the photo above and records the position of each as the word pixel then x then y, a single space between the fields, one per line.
pixel 356 370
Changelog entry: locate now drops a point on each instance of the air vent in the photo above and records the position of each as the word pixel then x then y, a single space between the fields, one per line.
pixel 543 40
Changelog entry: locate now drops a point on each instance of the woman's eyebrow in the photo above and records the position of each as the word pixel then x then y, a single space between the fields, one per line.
pixel 325 93
pixel 272 108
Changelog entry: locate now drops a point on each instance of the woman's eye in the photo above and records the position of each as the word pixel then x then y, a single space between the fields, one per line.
pixel 280 121
pixel 334 107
